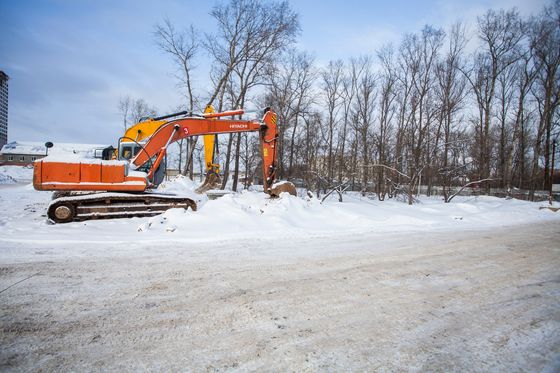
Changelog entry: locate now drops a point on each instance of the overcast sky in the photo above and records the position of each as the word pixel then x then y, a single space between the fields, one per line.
pixel 70 61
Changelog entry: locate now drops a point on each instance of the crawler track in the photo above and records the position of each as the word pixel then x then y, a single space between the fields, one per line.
pixel 113 205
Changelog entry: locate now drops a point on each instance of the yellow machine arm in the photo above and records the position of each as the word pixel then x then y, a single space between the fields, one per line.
pixel 209 142
pixel 142 130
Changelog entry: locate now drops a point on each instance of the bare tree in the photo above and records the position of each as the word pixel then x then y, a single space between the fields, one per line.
pixel 526 73
pixel 140 110
pixel 366 96
pixel 281 95
pixel 134 111
pixel 290 92
pixel 545 39
pixel 423 114
pixel 249 31
pixel 387 110
pixel 182 47
pixel 450 91
pixel 419 56
pixel 332 80
pixel 250 34
pixel 501 33
pixel 304 77
pixel 349 89
pixel 125 104
pixel 505 100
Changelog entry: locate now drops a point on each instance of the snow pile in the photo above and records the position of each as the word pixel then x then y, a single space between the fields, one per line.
pixel 248 214
pixel 14 174
pixel 6 179
pixel 182 186
pixel 253 215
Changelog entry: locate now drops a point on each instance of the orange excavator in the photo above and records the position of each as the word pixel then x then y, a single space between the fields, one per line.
pixel 102 188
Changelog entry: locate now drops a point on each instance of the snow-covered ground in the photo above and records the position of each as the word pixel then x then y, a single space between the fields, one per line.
pixel 253 215
pixel 15 174
pixel 248 283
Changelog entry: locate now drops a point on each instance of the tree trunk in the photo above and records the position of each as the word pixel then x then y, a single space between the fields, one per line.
pixel 228 157
pixel 236 170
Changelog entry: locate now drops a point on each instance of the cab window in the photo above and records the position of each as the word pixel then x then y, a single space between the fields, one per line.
pixel 126 152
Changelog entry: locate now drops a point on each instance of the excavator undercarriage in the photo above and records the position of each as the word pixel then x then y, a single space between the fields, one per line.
pixel 107 205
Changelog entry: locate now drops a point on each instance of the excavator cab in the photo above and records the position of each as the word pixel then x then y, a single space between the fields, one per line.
pixel 128 150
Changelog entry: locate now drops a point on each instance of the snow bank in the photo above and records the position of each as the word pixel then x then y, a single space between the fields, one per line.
pixel 14 174
pixel 7 179
pixel 252 215
pixel 183 186
pixel 255 215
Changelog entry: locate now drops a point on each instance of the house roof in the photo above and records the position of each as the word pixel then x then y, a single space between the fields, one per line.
pixel 38 148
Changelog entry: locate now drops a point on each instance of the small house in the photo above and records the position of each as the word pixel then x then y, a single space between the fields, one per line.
pixel 23 153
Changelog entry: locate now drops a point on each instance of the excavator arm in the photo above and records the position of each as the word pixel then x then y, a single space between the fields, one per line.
pixel 209 143
pixel 175 130
pixel 212 179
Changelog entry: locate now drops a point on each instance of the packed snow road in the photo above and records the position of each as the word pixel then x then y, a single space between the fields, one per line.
pixel 478 300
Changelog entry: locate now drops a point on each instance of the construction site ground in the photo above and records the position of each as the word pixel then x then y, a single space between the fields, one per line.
pixel 473 300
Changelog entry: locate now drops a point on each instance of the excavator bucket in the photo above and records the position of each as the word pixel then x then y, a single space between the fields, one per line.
pixel 212 181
